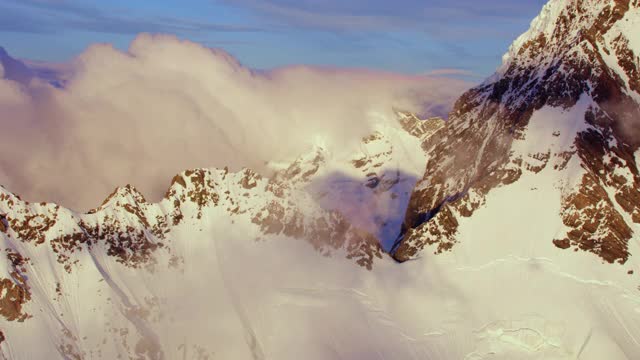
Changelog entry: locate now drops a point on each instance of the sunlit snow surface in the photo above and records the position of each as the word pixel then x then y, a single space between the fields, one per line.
pixel 506 292
pixel 227 291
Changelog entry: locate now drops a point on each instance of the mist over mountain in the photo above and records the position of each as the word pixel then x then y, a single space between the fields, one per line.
pixel 167 105
pixel 351 223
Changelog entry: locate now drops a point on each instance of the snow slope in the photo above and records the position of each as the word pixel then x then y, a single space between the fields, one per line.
pixel 217 293
pixel 132 278
pixel 520 239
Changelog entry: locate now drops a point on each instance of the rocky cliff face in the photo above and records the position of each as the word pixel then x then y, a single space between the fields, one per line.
pixel 566 98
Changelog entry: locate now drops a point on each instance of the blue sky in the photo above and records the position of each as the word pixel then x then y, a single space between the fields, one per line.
pixel 409 36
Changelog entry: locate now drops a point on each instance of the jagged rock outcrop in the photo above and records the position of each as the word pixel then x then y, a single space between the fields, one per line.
pixel 140 236
pixel 579 64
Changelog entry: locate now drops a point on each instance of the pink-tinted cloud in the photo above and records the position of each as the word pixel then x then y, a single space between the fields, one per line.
pixel 452 72
pixel 167 105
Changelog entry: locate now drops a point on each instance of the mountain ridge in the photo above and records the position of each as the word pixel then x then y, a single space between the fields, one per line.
pixel 554 65
pixel 534 162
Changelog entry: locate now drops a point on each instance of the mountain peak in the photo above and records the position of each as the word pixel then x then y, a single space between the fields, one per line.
pixel 572 49
pixel 564 24
pixel 567 94
pixel 127 194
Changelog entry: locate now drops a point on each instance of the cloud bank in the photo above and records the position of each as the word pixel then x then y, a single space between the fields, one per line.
pixel 167 105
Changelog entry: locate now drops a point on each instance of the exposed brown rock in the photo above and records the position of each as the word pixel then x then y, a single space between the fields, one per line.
pixel 562 244
pixel 178 179
pixel 327 234
pixel 271 218
pixel 439 231
pixel 202 189
pixel 472 153
pixel 16 260
pixel 596 225
pixel 4 224
pixel 248 181
pixel 15 293
pixel 418 127
pixel 32 228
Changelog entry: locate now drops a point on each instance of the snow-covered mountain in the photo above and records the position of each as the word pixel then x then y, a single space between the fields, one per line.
pixel 57 260
pixel 538 160
pixel 562 114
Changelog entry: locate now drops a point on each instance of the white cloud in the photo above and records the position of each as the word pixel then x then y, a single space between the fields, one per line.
pixel 167 105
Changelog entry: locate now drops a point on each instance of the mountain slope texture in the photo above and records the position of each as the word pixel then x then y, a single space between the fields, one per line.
pixel 509 231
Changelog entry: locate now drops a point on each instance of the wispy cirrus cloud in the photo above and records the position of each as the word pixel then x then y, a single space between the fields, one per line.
pixel 446 18
pixel 383 14
pixel 400 35
pixel 44 16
